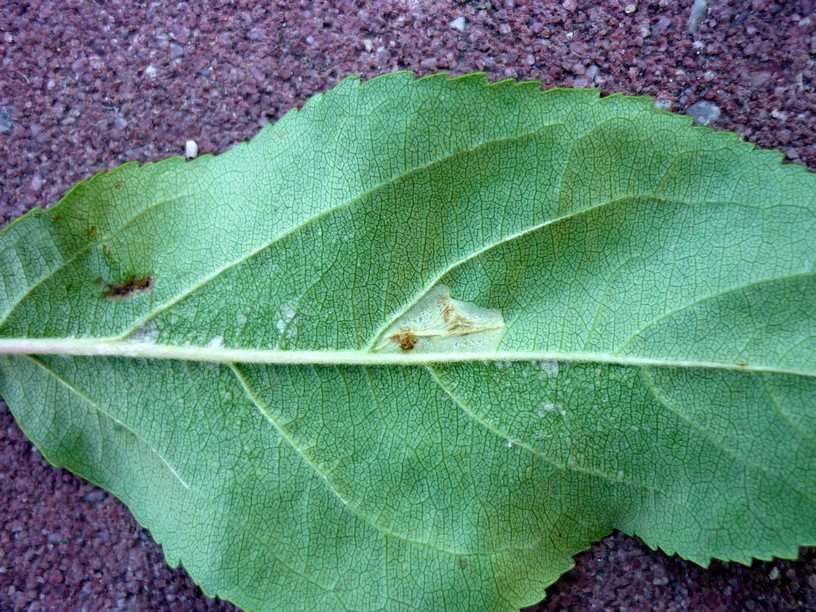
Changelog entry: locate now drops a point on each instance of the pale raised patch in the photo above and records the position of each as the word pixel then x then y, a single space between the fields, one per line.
pixel 437 323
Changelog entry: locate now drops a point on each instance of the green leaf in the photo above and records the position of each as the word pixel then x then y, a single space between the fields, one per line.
pixel 421 341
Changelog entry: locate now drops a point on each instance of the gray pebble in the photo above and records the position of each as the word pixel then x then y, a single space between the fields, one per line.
pixel 176 51
pixel 94 496
pixel 256 34
pixel 663 24
pixel 429 63
pixel 698 13
pixel 759 79
pixel 6 124
pixel 704 112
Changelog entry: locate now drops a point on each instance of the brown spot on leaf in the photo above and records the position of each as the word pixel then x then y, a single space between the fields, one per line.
pixel 406 340
pixel 134 284
pixel 92 231
pixel 742 363
pixel 463 562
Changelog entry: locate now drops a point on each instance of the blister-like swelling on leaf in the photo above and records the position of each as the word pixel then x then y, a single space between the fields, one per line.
pixel 437 323
pixel 421 341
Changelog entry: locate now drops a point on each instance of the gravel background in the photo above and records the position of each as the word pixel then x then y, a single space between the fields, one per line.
pixel 86 85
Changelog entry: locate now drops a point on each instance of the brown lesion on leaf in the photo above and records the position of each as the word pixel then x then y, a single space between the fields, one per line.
pixel 92 232
pixel 133 284
pixel 456 324
pixel 438 322
pixel 406 340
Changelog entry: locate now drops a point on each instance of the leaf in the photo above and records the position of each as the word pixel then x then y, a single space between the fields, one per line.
pixel 420 342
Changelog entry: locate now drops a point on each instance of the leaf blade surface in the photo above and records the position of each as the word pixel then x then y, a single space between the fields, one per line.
pixel 420 342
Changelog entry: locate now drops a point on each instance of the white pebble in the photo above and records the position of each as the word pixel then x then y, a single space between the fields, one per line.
pixel 460 23
pixel 191 149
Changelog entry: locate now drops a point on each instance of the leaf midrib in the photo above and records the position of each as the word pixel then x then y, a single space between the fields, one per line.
pixel 85 347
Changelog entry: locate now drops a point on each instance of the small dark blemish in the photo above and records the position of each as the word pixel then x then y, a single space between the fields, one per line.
pixel 134 284
pixel 118 184
pixel 463 562
pixel 406 340
pixel 742 363
pixel 92 231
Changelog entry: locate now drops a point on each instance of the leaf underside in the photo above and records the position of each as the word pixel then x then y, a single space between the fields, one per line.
pixel 421 341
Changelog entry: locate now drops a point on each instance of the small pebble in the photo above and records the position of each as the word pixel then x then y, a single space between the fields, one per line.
pixel 630 8
pixel 429 63
pixel 460 23
pixel 150 71
pixel 704 112
pixel 5 120
pixel 191 149
pixel 698 13
pixel 663 24
pixel 774 574
pixel 759 79
pixel 811 580
pixel 256 34
pixel 94 496
pixel 662 581
pixel 176 51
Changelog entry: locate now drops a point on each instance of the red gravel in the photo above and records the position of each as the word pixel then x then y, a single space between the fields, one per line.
pixel 87 85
